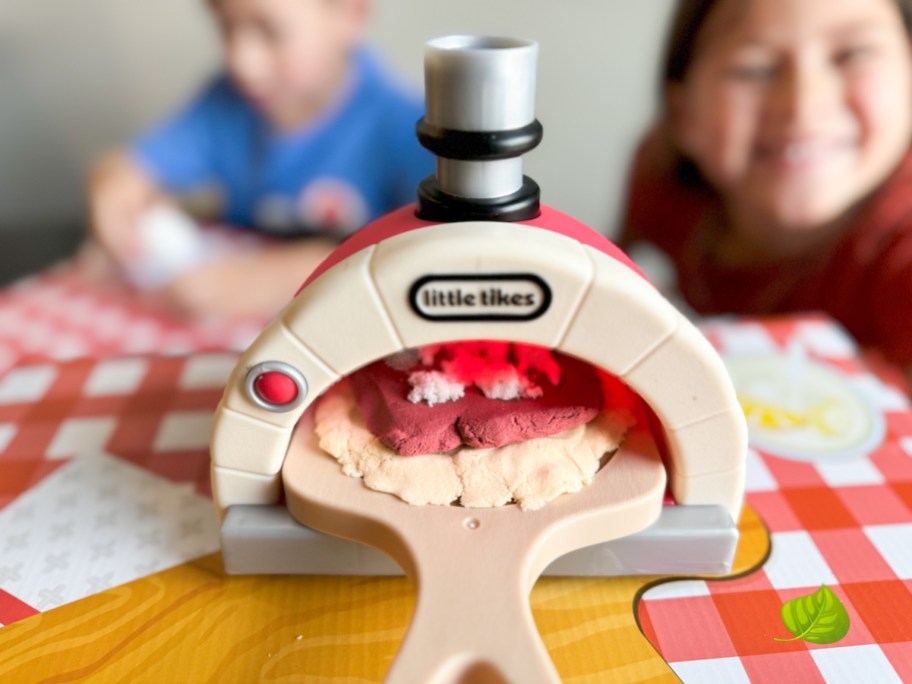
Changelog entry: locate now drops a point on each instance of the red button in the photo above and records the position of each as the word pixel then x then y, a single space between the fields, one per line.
pixel 276 388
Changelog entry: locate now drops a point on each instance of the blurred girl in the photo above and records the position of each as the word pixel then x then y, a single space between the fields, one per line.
pixel 779 178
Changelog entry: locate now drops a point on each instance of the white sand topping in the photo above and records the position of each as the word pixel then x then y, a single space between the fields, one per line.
pixel 434 387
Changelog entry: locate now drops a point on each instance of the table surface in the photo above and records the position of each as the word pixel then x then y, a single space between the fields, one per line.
pixel 108 540
pixel 78 310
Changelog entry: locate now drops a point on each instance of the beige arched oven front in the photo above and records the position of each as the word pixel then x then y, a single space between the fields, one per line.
pixel 542 288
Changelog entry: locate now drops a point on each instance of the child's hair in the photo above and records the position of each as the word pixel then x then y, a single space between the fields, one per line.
pixel 688 21
pixel 685 28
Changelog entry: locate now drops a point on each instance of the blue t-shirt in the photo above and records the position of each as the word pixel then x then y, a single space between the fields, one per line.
pixel 354 162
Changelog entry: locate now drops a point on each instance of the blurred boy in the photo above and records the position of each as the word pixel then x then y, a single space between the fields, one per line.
pixel 304 137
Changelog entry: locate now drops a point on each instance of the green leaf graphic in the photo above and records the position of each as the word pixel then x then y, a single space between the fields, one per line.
pixel 819 618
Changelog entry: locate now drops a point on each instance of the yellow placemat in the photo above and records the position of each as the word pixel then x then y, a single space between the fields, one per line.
pixel 195 624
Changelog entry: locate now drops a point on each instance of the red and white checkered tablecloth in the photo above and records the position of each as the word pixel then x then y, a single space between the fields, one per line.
pixel 104 478
pixel 69 312
pixel 845 524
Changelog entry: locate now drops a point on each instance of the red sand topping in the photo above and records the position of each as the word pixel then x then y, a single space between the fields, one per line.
pixel 571 395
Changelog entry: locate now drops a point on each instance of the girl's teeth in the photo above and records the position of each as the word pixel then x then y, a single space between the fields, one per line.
pixel 799 152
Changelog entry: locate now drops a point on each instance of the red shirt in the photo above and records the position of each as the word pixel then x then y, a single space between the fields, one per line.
pixel 863 279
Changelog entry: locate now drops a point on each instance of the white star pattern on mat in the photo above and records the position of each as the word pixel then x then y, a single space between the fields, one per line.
pixel 63 530
pixel 16 541
pixel 23 512
pixel 105 550
pixel 50 597
pixel 10 573
pixel 120 521
pixel 100 582
pixel 149 538
pixel 67 501
pixel 56 561
pixel 191 528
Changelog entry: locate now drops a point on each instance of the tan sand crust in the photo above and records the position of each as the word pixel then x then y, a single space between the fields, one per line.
pixel 530 473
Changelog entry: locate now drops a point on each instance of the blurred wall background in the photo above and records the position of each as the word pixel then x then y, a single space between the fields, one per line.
pixel 77 78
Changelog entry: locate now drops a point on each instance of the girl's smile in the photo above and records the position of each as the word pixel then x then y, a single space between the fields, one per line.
pixel 795 110
pixel 804 155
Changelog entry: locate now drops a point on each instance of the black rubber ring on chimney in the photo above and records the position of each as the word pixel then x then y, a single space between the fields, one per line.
pixel 436 205
pixel 479 145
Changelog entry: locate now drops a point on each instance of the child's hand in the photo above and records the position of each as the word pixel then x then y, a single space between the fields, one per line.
pixel 255 284
pixel 119 192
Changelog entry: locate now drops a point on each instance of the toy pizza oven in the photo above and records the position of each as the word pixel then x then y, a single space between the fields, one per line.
pixel 479 259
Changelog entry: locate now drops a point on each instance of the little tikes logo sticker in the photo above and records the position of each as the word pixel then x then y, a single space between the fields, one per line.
pixel 480 297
